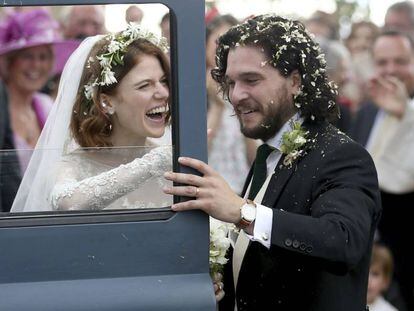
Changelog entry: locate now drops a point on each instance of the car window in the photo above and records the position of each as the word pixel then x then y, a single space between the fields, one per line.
pixel 90 179
pixel 77 176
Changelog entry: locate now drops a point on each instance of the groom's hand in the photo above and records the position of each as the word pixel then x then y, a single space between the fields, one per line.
pixel 211 192
pixel 218 286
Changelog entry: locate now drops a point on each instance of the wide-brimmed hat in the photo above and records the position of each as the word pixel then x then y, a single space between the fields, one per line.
pixel 32 28
pixel 26 29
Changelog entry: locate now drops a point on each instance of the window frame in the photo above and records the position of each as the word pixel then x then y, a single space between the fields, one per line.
pixel 189 125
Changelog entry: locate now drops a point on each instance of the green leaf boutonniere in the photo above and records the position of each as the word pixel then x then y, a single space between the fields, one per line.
pixel 293 143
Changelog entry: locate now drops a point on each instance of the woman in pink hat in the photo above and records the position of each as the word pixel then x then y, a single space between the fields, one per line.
pixel 27 42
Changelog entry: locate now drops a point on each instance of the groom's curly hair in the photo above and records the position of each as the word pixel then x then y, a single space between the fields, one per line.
pixel 90 125
pixel 289 47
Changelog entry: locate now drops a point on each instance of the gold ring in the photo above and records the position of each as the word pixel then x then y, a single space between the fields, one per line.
pixel 197 191
pixel 220 287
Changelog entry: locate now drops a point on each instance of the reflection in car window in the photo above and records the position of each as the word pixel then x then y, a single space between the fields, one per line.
pixel 114 92
pixel 98 179
pixel 111 179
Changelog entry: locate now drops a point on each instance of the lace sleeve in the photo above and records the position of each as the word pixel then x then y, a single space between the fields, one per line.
pixel 99 191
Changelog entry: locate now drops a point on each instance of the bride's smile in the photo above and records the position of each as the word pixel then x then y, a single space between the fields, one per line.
pixel 158 114
pixel 140 103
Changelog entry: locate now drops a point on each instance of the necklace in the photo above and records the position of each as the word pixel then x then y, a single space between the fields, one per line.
pixel 24 124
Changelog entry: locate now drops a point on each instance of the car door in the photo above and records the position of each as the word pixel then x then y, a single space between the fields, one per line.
pixel 145 259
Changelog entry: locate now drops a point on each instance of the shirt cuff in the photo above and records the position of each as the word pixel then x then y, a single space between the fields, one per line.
pixel 262 226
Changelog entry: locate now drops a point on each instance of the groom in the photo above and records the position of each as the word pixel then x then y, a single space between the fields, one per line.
pixel 311 202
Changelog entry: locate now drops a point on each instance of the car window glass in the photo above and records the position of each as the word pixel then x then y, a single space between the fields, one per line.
pixel 111 177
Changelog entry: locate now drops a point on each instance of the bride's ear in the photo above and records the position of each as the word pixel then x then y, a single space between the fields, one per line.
pixel 106 104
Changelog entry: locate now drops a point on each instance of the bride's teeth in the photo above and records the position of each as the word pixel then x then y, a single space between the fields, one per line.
pixel 158 110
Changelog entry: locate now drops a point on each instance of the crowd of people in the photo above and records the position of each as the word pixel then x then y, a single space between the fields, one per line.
pixel 373 70
pixel 370 102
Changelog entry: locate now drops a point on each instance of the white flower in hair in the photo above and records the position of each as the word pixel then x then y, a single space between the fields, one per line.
pixel 89 91
pixel 104 61
pixel 114 46
pixel 90 60
pixel 133 31
pixel 108 77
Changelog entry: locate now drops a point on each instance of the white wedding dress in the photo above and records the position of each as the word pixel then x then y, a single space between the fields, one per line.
pixel 105 179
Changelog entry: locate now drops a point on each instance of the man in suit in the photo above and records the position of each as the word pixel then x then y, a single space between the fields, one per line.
pixel 9 165
pixel 385 127
pixel 306 231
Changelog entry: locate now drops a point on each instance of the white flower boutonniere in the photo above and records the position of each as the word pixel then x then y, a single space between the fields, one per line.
pixel 219 244
pixel 293 144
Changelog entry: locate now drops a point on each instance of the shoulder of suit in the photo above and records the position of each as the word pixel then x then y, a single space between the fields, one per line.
pixel 325 135
pixel 327 142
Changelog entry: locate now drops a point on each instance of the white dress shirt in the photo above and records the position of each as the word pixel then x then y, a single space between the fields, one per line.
pixel 262 231
pixel 380 304
pixel 392 149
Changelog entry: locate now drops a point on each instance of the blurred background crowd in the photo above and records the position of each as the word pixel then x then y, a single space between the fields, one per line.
pixel 369 49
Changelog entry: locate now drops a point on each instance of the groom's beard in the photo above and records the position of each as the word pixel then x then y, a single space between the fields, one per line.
pixel 276 114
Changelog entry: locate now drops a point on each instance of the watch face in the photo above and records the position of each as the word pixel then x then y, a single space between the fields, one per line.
pixel 248 212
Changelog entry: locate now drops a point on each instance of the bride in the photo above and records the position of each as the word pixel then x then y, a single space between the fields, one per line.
pixel 113 96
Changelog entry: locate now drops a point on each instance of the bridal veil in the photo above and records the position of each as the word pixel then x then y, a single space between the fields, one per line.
pixel 55 139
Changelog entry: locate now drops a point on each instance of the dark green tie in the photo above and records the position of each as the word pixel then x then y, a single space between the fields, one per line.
pixel 259 169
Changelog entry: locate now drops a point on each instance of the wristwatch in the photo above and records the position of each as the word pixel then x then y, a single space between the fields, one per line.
pixel 248 214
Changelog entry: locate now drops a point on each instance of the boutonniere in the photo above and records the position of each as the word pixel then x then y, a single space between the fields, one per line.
pixel 293 143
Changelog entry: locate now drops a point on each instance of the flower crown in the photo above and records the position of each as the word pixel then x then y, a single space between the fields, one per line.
pixel 118 44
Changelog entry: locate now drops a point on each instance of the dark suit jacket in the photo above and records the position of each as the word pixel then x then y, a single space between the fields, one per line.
pixel 362 124
pixel 325 210
pixel 9 165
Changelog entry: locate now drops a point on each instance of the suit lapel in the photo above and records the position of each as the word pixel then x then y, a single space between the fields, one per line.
pixel 277 183
pixel 283 173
